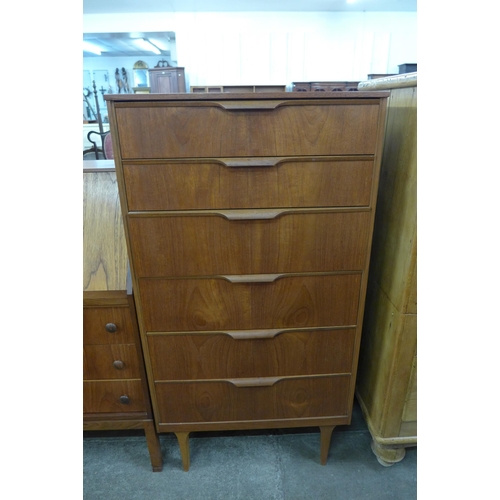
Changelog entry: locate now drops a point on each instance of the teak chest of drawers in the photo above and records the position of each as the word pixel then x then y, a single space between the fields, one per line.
pixel 249 223
pixel 115 391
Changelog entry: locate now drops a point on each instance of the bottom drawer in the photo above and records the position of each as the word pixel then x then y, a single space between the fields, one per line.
pixel 113 396
pixel 251 399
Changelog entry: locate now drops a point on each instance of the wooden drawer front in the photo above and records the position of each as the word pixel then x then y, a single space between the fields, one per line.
pixel 110 361
pixel 223 401
pixel 214 304
pixel 104 397
pixel 189 245
pixel 249 128
pixel 96 319
pixel 248 183
pixel 247 354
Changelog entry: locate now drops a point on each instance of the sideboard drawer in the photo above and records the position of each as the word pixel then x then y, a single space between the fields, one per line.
pixel 247 399
pixel 111 361
pixel 107 325
pixel 247 354
pixel 248 183
pixel 241 242
pixel 214 304
pixel 113 396
pixel 246 128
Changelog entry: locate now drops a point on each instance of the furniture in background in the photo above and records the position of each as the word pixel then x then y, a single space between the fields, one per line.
pixel 115 392
pixel 96 137
pixel 141 78
pixel 107 147
pixel 324 86
pixel 387 375
pixel 407 68
pixel 373 76
pixel 249 254
pixel 167 80
pixel 89 147
pixel 238 88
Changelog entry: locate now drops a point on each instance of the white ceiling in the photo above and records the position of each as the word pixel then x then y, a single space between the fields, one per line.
pixel 121 44
pixel 131 6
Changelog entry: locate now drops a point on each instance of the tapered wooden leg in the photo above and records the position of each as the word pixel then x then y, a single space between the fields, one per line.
pixel 183 439
pixel 153 446
pixel 326 436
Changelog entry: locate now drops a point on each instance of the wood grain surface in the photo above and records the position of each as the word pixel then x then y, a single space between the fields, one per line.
pixel 274 182
pixel 210 244
pixel 104 247
pixel 95 320
pixel 222 401
pixel 103 396
pixel 99 362
pixel 218 355
pixel 216 304
pixel 176 130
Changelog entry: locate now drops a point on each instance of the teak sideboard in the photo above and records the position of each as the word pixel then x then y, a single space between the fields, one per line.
pixel 249 223
pixel 115 391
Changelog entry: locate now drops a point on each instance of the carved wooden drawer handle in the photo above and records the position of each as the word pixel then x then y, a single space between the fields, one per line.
pixel 252 278
pixel 254 382
pixel 124 400
pixel 257 214
pixel 250 105
pixel 111 328
pixel 118 364
pixel 251 162
pixel 252 334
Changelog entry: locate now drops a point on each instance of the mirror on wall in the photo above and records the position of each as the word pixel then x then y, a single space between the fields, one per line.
pixel 141 77
pixel 110 60
pixel 118 63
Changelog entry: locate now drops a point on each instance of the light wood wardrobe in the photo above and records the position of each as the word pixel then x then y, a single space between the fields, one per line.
pixel 386 385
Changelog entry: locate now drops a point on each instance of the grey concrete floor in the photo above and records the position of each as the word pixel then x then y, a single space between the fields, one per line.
pixel 255 465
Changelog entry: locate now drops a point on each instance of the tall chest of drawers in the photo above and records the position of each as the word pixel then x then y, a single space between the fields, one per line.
pixel 249 222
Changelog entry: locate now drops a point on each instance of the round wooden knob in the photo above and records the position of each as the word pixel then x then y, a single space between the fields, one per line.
pixel 124 400
pixel 110 327
pixel 118 364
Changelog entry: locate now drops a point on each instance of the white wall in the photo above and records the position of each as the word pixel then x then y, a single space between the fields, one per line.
pixel 277 48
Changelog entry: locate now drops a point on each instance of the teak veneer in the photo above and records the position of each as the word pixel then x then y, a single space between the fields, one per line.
pixel 249 221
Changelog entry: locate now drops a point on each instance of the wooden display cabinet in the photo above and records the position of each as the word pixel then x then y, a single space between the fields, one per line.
pixel 167 80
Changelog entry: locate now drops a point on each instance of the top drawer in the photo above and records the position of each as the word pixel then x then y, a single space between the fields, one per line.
pixel 107 325
pixel 246 128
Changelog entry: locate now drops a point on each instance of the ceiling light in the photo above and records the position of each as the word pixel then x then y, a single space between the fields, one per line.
pixel 147 45
pixel 88 47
